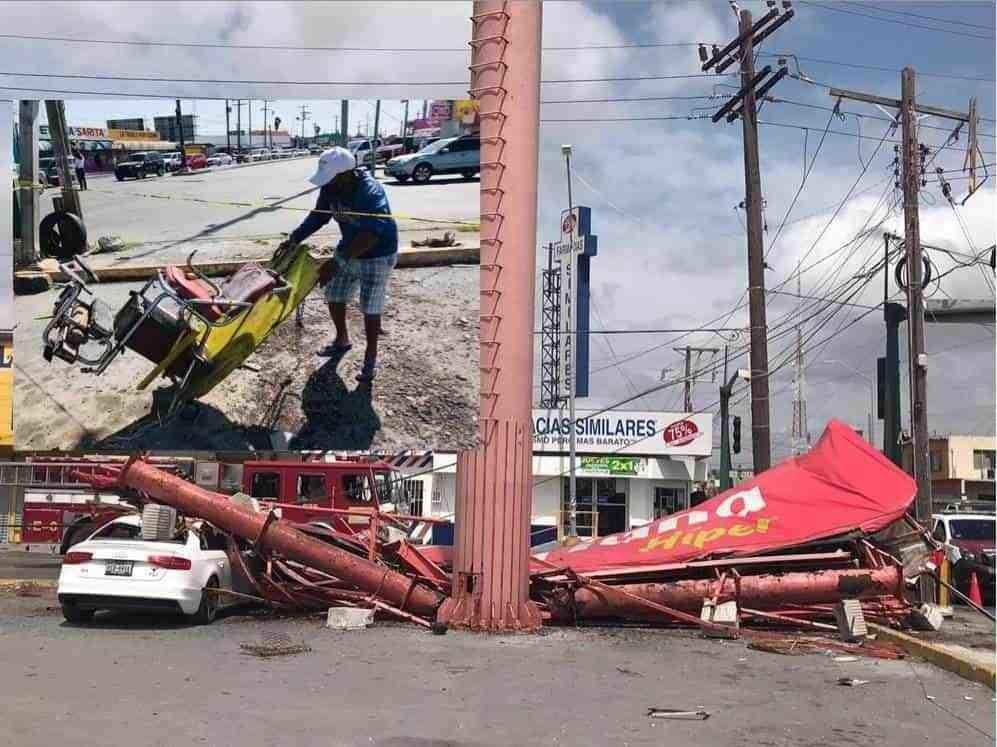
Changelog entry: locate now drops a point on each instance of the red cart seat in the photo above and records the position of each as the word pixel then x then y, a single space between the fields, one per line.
pixel 247 284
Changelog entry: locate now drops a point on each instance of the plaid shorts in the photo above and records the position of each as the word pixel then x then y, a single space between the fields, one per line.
pixel 371 275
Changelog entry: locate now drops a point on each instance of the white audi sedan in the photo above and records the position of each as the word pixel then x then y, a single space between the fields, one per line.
pixel 115 569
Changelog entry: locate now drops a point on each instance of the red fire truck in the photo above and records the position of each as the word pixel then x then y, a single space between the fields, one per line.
pixel 343 493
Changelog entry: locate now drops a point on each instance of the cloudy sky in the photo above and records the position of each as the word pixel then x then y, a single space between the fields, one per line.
pixel 664 192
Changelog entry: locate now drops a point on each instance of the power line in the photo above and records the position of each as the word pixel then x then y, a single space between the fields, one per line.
pixel 158 79
pixel 918 15
pixel 862 66
pixel 634 98
pixel 878 118
pixel 896 21
pixel 298 48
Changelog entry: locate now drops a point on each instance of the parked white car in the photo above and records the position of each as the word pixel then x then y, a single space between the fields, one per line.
pixel 115 569
pixel 220 159
pixel 258 154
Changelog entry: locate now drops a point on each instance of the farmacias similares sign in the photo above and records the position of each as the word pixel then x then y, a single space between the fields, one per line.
pixel 624 432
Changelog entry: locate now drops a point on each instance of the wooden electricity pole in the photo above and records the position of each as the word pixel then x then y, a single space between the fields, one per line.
pixel 761 446
pixel 59 132
pixel 917 364
pixel 743 104
pixel 911 173
pixel 688 351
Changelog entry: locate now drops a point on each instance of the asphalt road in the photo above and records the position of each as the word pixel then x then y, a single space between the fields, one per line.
pixel 133 680
pixel 170 225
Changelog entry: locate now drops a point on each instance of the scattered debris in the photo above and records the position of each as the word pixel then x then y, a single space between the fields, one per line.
pixel 786 648
pixel 845 659
pixel 348 618
pixel 628 672
pixel 107 244
pixel 275 644
pixel 697 715
pixel 852 682
pixel 449 239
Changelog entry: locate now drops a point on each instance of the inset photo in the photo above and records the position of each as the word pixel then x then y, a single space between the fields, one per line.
pixel 246 274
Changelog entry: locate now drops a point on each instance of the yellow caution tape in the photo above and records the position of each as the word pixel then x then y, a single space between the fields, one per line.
pixel 227 203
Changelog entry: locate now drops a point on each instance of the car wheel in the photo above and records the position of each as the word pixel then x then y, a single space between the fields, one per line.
pixel 401 178
pixel 160 172
pixel 74 614
pixel 422 173
pixel 208 608
pixel 119 177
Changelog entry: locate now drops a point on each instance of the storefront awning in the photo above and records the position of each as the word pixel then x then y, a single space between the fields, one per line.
pixel 138 145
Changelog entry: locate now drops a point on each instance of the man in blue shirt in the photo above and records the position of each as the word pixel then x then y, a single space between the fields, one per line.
pixel 366 254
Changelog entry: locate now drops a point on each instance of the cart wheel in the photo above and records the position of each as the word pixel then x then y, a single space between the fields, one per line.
pixel 62 235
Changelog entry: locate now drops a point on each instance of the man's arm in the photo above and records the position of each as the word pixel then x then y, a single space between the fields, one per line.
pixel 317 218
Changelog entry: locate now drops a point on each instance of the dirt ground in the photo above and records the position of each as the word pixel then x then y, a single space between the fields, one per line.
pixel 425 395
pixel 128 680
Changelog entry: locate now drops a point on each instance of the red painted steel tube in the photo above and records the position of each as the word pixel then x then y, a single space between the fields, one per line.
pixel 763 592
pixel 192 500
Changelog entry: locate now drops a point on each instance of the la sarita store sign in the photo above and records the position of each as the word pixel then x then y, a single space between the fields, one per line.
pixel 624 432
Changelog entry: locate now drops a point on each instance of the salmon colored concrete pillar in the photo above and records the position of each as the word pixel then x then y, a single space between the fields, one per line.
pixel 495 480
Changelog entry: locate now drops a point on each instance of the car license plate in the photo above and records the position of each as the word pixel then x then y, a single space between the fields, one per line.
pixel 118 568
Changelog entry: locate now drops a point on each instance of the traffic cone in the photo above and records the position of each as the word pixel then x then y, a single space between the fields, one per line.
pixel 974 590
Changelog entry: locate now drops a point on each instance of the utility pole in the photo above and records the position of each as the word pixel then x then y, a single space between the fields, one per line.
pixel 688 351
pixel 801 431
pixel 405 120
pixel 59 132
pixel 249 112
pixel 238 124
pixel 344 122
pixel 917 359
pixel 228 128
pixel 373 145
pixel 760 432
pixel 183 152
pixel 743 105
pixel 266 128
pixel 305 115
pixel 915 298
pixel 29 182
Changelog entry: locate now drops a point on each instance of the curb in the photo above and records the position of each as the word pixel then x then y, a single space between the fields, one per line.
pixel 407 258
pixel 940 657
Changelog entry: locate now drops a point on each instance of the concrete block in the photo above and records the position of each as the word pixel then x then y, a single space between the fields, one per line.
pixel 927 617
pixel 724 614
pixel 851 621
pixel 348 618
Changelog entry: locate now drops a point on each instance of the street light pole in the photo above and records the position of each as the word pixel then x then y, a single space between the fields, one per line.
pixel 572 443
pixel 871 435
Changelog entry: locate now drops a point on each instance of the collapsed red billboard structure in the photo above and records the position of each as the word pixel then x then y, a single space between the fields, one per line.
pixel 842 485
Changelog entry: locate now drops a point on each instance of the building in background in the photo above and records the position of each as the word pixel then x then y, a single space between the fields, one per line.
pixel 135 123
pixel 168 130
pixel 962 467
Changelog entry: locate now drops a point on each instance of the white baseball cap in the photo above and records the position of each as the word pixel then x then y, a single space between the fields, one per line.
pixel 331 164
